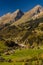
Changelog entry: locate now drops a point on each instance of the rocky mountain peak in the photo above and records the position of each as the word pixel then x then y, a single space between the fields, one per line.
pixel 17 15
pixel 18 10
pixel 38 9
pixel 11 17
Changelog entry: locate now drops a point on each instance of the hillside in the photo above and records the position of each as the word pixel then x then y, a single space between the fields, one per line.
pixel 35 11
pixel 21 37
pixel 11 17
pixel 28 30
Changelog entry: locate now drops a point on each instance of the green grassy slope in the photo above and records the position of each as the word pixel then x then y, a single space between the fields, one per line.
pixel 20 57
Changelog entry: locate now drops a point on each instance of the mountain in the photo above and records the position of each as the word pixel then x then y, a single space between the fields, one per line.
pixel 35 11
pixel 24 28
pixel 18 15
pixel 11 17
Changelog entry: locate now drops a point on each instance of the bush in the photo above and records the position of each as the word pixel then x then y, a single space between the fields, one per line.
pixel 9 43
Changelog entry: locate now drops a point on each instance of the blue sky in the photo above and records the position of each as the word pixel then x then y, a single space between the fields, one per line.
pixel 12 5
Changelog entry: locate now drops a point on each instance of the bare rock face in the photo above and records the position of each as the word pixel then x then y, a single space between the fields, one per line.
pixel 17 15
pixel 11 17
pixel 37 10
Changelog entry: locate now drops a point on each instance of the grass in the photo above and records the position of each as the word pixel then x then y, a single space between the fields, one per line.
pixel 6 63
pixel 24 53
pixel 21 55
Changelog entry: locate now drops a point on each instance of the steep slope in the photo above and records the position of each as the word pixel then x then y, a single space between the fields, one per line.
pixel 27 30
pixel 11 17
pixel 35 11
pixel 25 33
